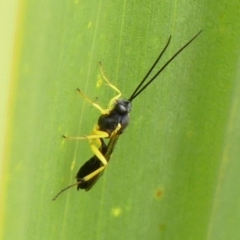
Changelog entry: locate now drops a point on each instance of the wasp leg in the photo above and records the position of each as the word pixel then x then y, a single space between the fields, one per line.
pixel 95 144
pixel 103 111
pixel 95 148
pixel 113 100
pixel 96 134
pixel 93 174
pixel 101 158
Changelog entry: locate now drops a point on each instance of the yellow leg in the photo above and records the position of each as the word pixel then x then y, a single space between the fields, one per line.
pixel 113 100
pixel 96 134
pixel 84 179
pixel 93 174
pixel 103 111
pixel 96 143
pixel 98 153
pixel 100 156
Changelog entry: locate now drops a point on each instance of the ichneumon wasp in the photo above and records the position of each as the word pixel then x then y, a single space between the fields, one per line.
pixel 111 124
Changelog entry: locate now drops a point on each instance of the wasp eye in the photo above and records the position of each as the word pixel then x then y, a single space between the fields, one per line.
pixel 121 108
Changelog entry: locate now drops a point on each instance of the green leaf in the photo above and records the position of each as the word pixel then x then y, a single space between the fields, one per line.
pixel 174 172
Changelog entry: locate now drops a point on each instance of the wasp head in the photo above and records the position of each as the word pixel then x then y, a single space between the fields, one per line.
pixel 122 106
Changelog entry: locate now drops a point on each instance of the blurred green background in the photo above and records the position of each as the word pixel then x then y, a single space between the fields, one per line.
pixel 174 173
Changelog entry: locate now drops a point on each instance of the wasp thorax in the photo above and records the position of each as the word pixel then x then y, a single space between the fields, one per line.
pixel 122 106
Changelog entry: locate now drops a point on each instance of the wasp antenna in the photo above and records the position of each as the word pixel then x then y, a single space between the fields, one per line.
pixel 66 188
pixel 163 67
pixel 150 70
